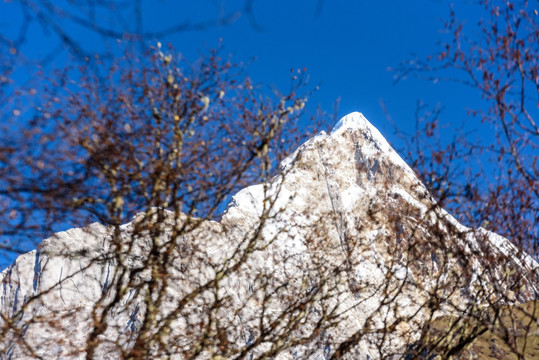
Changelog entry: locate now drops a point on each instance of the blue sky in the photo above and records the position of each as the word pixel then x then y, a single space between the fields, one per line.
pixel 346 46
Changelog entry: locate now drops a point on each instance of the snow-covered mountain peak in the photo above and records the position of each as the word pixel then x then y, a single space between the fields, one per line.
pixel 375 144
pixel 356 122
pixel 343 204
pixel 353 121
pixel 355 139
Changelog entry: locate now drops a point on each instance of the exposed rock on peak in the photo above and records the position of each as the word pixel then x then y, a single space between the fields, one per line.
pixel 344 254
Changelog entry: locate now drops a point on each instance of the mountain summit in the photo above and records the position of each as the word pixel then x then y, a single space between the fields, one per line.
pixel 343 254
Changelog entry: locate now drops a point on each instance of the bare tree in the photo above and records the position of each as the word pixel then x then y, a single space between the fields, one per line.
pixel 337 251
pixel 171 139
pixel 496 57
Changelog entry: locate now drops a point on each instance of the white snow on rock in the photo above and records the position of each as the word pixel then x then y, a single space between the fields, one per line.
pixel 345 199
pixel 377 143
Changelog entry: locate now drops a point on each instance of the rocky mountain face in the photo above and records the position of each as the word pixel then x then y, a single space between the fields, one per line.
pixel 344 254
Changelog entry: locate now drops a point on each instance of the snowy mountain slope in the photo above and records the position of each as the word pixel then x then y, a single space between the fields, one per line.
pixel 344 250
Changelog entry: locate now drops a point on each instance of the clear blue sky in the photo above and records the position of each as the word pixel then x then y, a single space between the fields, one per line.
pixel 346 46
